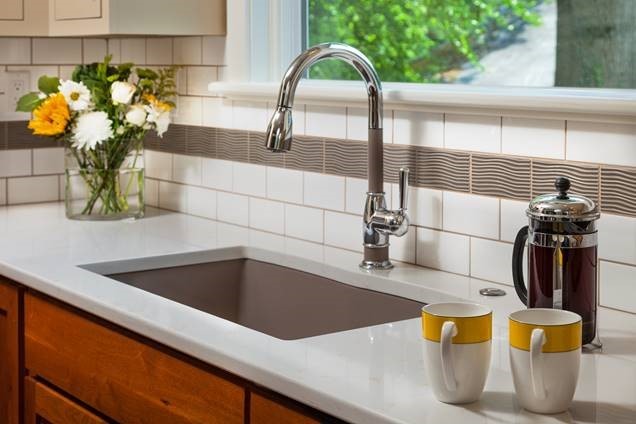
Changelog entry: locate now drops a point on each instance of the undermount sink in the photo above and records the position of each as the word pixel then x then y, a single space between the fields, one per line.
pixel 276 300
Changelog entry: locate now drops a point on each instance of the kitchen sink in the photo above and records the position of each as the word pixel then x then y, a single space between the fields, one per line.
pixel 277 300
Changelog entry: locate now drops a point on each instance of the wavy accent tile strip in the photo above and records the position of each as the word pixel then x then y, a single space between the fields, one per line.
pixel 500 176
pixel 3 136
pixel 306 154
pixel 259 154
pixel 443 170
pixel 584 178
pixel 346 158
pixel 19 136
pixel 201 141
pixel 232 145
pixel 618 191
pixel 397 156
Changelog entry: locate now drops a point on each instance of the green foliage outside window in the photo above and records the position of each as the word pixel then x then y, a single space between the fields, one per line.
pixel 414 40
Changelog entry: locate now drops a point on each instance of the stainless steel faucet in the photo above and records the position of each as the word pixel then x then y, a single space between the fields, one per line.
pixel 378 221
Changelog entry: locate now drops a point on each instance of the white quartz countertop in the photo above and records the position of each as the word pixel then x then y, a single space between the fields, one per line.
pixel 368 375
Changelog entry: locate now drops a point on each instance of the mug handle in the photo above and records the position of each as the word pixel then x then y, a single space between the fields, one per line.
pixel 537 340
pixel 517 264
pixel 449 330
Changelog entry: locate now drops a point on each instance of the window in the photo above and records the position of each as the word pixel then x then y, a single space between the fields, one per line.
pixel 531 43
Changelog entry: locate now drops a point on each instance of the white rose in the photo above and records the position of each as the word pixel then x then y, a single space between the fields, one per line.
pixel 136 115
pixel 162 122
pixel 122 92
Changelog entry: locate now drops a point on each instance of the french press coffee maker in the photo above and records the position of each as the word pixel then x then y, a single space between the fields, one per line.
pixel 562 256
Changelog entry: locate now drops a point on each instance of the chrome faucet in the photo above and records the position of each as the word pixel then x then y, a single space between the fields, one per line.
pixel 378 221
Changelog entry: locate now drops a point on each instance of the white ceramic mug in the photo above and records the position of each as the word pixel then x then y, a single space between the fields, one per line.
pixel 545 356
pixel 457 346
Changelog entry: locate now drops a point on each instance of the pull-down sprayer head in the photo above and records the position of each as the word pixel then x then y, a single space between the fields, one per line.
pixel 279 130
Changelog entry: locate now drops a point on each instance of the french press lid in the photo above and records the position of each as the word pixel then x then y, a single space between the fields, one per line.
pixel 562 206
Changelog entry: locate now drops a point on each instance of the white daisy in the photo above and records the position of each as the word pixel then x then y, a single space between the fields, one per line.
pixel 76 94
pixel 91 129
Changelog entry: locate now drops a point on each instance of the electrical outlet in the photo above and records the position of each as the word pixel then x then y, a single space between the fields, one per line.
pixel 15 84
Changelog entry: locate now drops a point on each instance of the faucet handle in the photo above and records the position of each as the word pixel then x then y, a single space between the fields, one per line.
pixel 404 187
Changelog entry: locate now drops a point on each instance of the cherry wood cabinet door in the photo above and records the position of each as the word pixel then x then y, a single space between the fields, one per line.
pixel 267 411
pixel 44 405
pixel 10 353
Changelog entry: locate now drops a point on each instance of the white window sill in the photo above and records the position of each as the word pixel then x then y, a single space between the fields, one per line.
pixel 569 103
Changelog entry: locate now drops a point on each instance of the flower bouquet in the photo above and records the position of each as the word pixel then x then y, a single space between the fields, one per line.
pixel 102 115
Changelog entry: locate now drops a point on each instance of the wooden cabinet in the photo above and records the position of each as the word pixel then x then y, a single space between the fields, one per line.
pixel 10 353
pixel 138 17
pixel 23 17
pixel 264 410
pixel 45 405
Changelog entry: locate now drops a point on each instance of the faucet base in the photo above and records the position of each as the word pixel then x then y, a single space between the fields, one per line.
pixel 376 259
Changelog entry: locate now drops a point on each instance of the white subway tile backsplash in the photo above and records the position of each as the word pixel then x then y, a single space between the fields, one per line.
pixel 214 50
pixel 159 51
pixel 304 249
pixel 267 215
pixel 251 116
pixel 472 132
pixel 158 164
pixel 343 230
pixel 298 115
pixel 491 260
pixel 201 202
pixel 189 111
pixel 3 191
pixel 543 138
pixel 32 189
pixel 35 73
pixel 198 79
pixel 418 128
pixel 48 161
pixel 324 191
pixel 57 51
pixel 249 179
pixel 217 112
pixel 618 286
pixel 471 214
pixel 403 248
pixel 173 197
pixel 232 208
pixel 151 192
pixel 358 124
pixel 133 50
pixel 66 72
pixel 424 205
pixel 15 163
pixel 326 121
pixel 304 223
pixel 187 51
pixel 217 174
pixel 15 51
pixel 601 143
pixel 285 184
pixel 263 240
pixel 187 169
pixel 617 238
pixel 444 251
pixel 114 49
pixel 513 218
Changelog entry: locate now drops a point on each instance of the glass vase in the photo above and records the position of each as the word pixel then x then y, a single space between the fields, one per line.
pixel 101 186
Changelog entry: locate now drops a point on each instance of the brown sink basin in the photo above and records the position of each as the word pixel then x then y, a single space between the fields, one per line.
pixel 279 301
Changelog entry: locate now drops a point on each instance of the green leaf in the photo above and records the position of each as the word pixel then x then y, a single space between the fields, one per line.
pixel 28 102
pixel 48 85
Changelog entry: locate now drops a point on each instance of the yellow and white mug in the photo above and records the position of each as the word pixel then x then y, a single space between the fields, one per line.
pixel 545 356
pixel 457 346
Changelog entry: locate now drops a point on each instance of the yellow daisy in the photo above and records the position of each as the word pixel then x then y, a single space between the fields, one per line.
pixel 51 117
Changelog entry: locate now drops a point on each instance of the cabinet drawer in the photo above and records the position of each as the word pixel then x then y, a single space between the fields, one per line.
pixel 120 376
pixel 77 9
pixel 43 404
pixel 267 411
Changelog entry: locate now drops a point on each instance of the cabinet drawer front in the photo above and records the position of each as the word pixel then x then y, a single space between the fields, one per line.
pixel 120 376
pixel 266 411
pixel 44 403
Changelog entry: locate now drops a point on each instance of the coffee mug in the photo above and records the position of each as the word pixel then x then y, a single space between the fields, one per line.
pixel 457 345
pixel 545 355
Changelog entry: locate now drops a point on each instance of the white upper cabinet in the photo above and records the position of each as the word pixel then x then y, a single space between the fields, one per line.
pixel 111 17
pixel 23 17
pixel 137 17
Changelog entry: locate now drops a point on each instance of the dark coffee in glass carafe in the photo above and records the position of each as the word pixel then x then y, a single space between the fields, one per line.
pixel 562 256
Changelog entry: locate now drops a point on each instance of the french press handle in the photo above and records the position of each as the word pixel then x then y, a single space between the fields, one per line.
pixel 517 264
